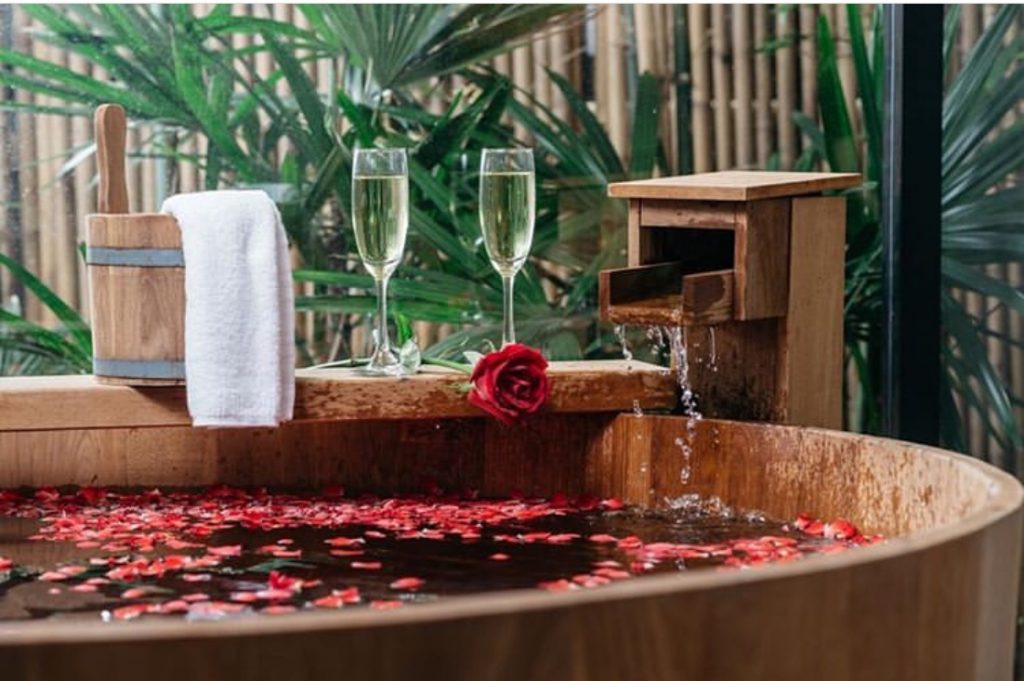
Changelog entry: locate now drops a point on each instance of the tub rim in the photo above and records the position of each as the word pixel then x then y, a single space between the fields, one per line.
pixel 1005 497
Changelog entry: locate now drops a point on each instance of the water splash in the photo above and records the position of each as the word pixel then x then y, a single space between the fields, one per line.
pixel 713 355
pixel 687 400
pixel 620 333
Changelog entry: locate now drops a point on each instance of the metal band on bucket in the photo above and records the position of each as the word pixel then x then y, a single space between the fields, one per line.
pixel 139 368
pixel 134 257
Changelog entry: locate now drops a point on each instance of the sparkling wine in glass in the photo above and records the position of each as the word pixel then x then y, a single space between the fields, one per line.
pixel 506 217
pixel 380 217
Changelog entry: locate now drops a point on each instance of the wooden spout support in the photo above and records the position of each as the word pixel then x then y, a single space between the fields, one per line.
pixel 750 266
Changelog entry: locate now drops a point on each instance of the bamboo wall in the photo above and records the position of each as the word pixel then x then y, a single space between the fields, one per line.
pixel 740 97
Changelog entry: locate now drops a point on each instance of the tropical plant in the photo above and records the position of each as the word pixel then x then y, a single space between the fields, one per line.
pixel 28 348
pixel 209 92
pixel 982 219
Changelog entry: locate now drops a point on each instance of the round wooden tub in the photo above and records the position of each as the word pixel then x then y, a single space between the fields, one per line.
pixel 937 601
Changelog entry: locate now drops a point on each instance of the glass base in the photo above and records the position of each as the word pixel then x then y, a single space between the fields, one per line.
pixel 384 363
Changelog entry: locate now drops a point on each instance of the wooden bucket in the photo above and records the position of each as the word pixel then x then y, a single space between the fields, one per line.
pixel 136 276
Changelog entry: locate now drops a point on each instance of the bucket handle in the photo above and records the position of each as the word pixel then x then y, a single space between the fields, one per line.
pixel 110 149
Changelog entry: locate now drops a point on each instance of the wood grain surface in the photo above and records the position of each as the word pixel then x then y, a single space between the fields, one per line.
pixel 111 129
pixel 74 402
pixel 936 602
pixel 733 185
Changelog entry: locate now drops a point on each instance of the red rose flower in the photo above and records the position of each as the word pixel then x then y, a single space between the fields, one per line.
pixel 510 383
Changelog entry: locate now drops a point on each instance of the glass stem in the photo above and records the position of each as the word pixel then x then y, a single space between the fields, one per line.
pixel 508 327
pixel 383 342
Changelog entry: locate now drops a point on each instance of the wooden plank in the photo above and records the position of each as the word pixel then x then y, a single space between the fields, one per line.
pixel 813 330
pixel 708 297
pixel 762 260
pixel 733 185
pixel 692 214
pixel 663 295
pixel 62 402
pixel 636 243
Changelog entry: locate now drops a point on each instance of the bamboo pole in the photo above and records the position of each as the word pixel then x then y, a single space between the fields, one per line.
pixel 10 233
pixel 762 88
pixel 28 176
pixel 615 87
pixel 785 72
pixel 669 115
pixel 522 77
pixel 559 58
pixel 722 99
pixel 809 61
pixel 541 87
pixel 697 16
pixel 85 196
pixel 744 92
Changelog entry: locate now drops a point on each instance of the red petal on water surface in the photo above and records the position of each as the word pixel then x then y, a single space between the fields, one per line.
pixel 331 602
pixel 196 577
pixel 225 551
pixel 136 592
pixel 6 563
pixel 358 565
pixel 347 542
pixel 52 576
pixel 564 538
pixel 342 553
pixel 612 573
pixel 169 607
pixel 612 504
pixel 557 585
pixel 54 591
pixel 608 564
pixel 603 538
pixel 130 612
pixel 407 584
pixel 278 580
pixel 385 605
pixel 244 597
pixel 498 556
pixel 84 588
pixel 374 534
pixel 195 598
pixel 87 544
pixel 840 529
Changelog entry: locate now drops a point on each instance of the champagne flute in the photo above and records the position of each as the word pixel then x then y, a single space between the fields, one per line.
pixel 506 217
pixel 380 217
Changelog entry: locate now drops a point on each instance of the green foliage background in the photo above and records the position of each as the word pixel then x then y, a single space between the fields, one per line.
pixel 177 70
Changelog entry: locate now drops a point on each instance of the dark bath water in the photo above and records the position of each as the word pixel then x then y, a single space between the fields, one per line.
pixel 94 554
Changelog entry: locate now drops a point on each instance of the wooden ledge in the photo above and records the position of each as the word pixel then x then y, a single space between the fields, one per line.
pixel 733 185
pixel 66 402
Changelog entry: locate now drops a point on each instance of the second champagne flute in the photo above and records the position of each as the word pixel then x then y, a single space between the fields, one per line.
pixel 506 217
pixel 380 218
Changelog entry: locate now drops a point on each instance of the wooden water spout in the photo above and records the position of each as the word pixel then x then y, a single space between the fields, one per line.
pixel 750 266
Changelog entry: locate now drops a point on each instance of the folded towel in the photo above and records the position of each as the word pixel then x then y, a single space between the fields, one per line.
pixel 239 315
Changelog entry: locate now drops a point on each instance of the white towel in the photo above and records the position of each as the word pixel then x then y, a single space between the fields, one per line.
pixel 239 316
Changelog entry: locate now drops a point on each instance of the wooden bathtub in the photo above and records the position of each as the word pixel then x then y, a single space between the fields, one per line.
pixel 937 601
